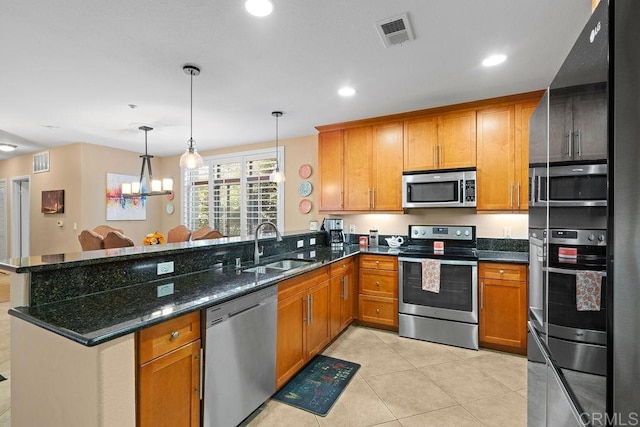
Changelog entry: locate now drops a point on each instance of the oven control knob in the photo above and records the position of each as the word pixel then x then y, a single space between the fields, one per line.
pixel 416 232
pixel 591 237
pixel 424 232
pixel 601 238
pixel 466 233
pixel 458 232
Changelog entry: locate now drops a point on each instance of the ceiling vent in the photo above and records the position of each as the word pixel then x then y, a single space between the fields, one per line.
pixel 395 30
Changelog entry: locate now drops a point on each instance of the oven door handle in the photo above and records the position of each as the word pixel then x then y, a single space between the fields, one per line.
pixel 442 261
pixel 568 271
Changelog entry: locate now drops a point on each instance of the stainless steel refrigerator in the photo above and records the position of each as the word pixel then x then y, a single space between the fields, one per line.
pixel 584 219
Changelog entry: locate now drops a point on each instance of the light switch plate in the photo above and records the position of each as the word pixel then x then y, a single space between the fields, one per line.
pixel 312 241
pixel 165 267
pixel 312 254
pixel 164 290
pixel 300 243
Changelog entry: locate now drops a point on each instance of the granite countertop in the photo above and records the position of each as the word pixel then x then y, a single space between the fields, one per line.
pixel 504 256
pixel 97 318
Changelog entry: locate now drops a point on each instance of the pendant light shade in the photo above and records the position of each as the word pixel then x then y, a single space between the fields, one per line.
pixel 276 175
pixel 191 159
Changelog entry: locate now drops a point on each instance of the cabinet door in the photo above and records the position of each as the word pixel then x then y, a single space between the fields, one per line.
pixel 318 334
pixel 420 144
pixel 560 124
pixel 387 167
pixel 523 115
pixel 348 296
pixel 590 126
pixel 335 305
pixel 503 310
pixel 496 159
pixel 330 165
pixel 357 167
pixel 169 393
pixel 291 337
pixel 457 140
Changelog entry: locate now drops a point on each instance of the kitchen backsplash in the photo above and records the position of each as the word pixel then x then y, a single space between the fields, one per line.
pixel 510 245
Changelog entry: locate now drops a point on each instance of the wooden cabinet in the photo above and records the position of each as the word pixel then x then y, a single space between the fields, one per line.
pixel 440 142
pixel 169 373
pixel 578 124
pixel 303 321
pixel 342 294
pixel 331 169
pixel 360 168
pixel 378 290
pixel 503 306
pixel 503 157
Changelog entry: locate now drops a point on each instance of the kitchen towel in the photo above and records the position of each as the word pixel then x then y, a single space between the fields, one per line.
pixel 588 290
pixel 431 275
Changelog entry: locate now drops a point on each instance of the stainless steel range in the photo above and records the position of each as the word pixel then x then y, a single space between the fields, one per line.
pixel 450 314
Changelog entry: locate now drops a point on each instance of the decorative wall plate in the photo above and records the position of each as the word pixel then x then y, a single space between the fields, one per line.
pixel 304 206
pixel 304 171
pixel 304 189
pixel 170 208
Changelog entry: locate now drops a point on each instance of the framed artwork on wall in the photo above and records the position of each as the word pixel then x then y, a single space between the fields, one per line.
pixel 120 208
pixel 52 202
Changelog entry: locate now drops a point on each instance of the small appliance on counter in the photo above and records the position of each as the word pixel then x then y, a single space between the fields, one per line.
pixel 334 228
pixel 373 238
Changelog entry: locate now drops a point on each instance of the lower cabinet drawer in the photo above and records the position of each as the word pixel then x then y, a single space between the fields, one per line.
pixel 379 310
pixel 168 336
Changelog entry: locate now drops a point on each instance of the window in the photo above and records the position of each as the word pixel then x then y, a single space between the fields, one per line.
pixel 233 194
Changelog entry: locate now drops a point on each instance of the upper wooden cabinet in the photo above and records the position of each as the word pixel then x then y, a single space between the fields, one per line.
pixel 361 168
pixel 503 157
pixel 445 141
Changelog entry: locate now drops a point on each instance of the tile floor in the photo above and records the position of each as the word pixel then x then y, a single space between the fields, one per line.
pixel 404 382
pixel 401 382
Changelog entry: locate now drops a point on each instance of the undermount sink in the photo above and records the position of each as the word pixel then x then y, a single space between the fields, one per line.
pixel 279 266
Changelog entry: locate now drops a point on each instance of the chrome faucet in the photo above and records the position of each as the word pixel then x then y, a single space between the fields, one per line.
pixel 257 252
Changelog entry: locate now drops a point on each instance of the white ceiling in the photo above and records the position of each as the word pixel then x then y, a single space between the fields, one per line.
pixel 70 68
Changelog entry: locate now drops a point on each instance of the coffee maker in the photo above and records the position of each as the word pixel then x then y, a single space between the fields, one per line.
pixel 333 227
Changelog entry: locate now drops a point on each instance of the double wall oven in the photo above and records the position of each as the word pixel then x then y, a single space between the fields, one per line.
pixel 450 315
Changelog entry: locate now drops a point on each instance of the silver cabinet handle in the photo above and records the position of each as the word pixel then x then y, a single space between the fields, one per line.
pixel 435 160
pixel 342 199
pixel 569 144
pixel 578 144
pixel 311 309
pixel 512 194
pixel 369 198
pixel 306 301
pixel 482 294
pixel 373 199
pixel 201 372
pixel 441 156
pixel 174 335
pixel 345 288
pixel 518 193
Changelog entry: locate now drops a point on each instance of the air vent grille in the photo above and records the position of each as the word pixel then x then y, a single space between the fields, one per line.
pixel 395 30
pixel 41 162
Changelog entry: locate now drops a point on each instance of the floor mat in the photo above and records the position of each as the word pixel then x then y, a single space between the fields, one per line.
pixel 317 387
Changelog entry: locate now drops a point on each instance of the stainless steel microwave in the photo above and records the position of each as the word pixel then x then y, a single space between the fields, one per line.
pixel 572 185
pixel 439 189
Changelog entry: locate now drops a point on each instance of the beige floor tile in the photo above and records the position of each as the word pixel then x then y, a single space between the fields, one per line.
pixel 509 410
pixel 357 406
pixel 465 353
pixel 278 414
pixel 5 418
pixel 522 393
pixel 463 382
pixel 394 423
pixel 510 370
pixel 421 353
pixel 376 360
pixel 354 337
pixel 408 393
pixel 5 396
pixel 455 416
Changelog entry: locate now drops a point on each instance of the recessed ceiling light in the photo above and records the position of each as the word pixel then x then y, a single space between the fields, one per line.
pixel 7 147
pixel 259 7
pixel 494 60
pixel 346 91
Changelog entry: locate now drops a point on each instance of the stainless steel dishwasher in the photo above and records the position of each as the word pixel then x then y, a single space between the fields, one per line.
pixel 240 357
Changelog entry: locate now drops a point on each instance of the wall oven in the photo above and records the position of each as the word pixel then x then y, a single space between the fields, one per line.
pixel 571 186
pixel 452 188
pixel 449 316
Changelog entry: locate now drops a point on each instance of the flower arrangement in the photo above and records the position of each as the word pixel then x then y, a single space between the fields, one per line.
pixel 154 239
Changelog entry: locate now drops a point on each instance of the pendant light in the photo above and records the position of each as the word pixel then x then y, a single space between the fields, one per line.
pixel 191 159
pixel 276 175
pixel 158 187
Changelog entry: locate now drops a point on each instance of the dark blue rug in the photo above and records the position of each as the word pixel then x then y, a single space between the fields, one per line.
pixel 317 387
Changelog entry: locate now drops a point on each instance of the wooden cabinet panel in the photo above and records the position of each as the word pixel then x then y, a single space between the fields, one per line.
pixel 421 144
pixel 378 282
pixel 523 115
pixel 341 292
pixel 318 334
pixel 387 167
pixel 379 262
pixel 378 310
pixel 167 336
pixel 357 165
pixel 291 337
pixel 503 307
pixel 457 140
pixel 168 390
pixel 331 170
pixel 496 159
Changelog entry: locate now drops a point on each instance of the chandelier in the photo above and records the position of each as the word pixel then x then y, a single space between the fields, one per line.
pixel 158 187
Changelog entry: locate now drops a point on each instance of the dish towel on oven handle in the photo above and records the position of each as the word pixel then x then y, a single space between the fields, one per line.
pixel 431 275
pixel 588 290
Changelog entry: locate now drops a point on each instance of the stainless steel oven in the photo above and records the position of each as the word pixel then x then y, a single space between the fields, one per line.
pixel 449 316
pixel 571 185
pixel 431 189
